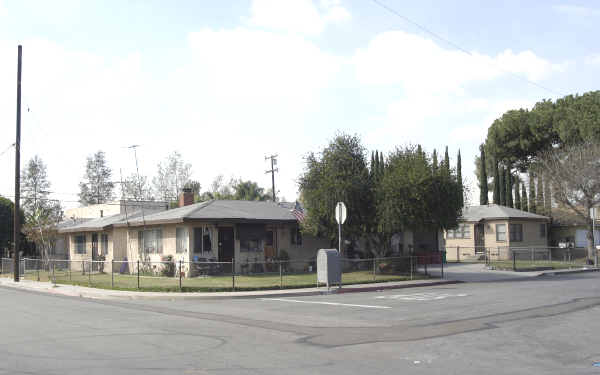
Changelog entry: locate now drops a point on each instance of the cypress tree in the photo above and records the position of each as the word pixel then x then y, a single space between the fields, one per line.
pixel 461 197
pixel 446 162
pixel 483 181
pixel 375 166
pixel 547 196
pixel 532 202
pixel 517 195
pixel 502 186
pixel 434 161
pixel 496 195
pixel 539 198
pixel 508 191
pixel 372 171
pixel 381 165
pixel 524 205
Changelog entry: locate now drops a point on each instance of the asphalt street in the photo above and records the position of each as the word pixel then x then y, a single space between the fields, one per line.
pixel 541 325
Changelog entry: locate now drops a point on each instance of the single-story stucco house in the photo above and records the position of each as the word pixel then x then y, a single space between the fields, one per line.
pixel 215 230
pixel 497 228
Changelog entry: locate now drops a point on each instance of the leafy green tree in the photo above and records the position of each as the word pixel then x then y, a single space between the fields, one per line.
pixel 459 180
pixel 434 161
pixel 539 198
pixel 502 184
pixel 497 183
pixel 338 174
pixel 517 196
pixel 532 202
pixel 96 186
pixel 508 189
pixel 524 203
pixel 446 163
pixel 249 191
pixel 483 180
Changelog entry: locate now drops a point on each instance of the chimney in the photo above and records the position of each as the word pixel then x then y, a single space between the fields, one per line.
pixel 186 197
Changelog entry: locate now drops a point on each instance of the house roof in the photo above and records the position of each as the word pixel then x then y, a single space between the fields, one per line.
pixel 86 225
pixel 496 211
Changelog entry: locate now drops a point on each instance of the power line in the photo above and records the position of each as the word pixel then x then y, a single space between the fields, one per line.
pixel 6 150
pixel 458 47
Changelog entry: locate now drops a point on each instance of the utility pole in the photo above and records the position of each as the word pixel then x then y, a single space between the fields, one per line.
pixel 16 220
pixel 272 172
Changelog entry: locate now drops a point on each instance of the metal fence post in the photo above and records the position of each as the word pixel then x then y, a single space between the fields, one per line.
pixel 138 274
pixel 233 274
pixel 83 267
pixel 457 254
pixel 90 273
pixel 374 268
pixel 280 276
pixel 442 265
pixel 69 270
pixel 550 254
pixel 514 256
pixel 180 267
pixel 53 274
pixel 532 255
pixel 411 267
pixel 425 265
pixel 112 273
pixel 38 270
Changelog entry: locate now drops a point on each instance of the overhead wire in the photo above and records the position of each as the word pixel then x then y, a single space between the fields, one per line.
pixel 458 47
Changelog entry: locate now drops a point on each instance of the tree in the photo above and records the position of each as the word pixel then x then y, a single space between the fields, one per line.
pixel 497 183
pixel 136 188
pixel 483 180
pixel 7 212
pixel 96 186
pixel 574 172
pixel 41 213
pixel 524 203
pixel 248 191
pixel 502 184
pixel 412 197
pixel 172 174
pixel 539 197
pixel 532 202
pixel 338 174
pixel 517 195
pixel 508 190
pixel 547 196
pixel 459 179
pixel 446 163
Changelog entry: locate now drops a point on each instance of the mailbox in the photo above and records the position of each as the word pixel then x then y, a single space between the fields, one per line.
pixel 329 270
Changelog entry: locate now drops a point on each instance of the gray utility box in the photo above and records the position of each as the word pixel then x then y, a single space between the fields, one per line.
pixel 329 270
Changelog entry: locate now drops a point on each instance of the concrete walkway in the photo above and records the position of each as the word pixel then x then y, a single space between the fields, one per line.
pixel 85 292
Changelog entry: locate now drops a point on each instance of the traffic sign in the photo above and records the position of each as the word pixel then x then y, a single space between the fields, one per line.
pixel 340 212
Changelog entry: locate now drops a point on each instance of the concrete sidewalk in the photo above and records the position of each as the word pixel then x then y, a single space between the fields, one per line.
pixel 95 293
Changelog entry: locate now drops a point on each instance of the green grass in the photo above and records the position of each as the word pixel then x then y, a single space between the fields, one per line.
pixel 529 265
pixel 211 283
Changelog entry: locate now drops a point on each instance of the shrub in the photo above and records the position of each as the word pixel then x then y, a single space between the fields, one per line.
pixel 168 267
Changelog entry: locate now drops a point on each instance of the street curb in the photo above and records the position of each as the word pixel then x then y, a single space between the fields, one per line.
pixel 110 295
pixel 564 272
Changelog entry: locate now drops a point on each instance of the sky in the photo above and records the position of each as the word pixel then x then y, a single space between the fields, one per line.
pixel 226 83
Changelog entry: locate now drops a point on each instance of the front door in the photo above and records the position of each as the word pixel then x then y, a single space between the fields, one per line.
pixel 479 238
pixel 226 244
pixel 94 246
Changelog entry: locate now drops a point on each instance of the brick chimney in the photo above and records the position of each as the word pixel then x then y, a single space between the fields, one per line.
pixel 186 197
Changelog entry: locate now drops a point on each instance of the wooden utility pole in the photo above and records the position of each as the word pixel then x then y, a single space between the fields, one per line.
pixel 16 220
pixel 272 172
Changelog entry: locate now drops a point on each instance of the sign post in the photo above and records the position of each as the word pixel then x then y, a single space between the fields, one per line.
pixel 593 216
pixel 340 217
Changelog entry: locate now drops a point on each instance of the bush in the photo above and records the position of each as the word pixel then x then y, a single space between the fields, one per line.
pixel 168 267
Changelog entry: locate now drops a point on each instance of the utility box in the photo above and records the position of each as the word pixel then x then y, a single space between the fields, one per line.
pixel 329 270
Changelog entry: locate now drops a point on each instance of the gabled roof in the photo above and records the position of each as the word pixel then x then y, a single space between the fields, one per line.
pixel 232 210
pixel 86 225
pixel 496 211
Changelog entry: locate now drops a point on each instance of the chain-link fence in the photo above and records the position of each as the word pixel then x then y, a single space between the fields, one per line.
pixel 218 276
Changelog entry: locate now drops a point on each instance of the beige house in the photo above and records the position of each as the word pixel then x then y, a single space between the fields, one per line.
pixel 497 229
pixel 212 231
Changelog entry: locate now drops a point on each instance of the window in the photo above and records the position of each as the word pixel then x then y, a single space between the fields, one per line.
pixel 250 244
pixel 104 244
pixel 150 241
pixel 543 230
pixel 500 232
pixel 202 239
pixel 80 244
pixel 516 232
pixel 181 235
pixel 296 236
pixel 463 231
pixel 269 238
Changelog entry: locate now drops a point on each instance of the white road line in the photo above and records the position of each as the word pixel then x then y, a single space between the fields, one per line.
pixel 325 303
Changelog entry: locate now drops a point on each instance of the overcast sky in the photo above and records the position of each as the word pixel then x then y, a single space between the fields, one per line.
pixel 227 82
